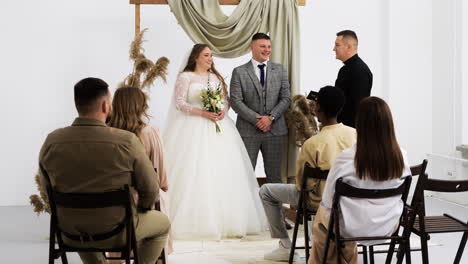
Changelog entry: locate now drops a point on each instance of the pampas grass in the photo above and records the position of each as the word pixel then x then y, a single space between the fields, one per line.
pixel 142 64
pixel 158 70
pixel 136 48
pixel 143 68
pixel 40 202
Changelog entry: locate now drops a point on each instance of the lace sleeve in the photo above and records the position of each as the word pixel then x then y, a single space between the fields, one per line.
pixel 226 103
pixel 181 93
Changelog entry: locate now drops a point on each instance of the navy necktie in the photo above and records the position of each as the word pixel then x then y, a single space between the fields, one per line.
pixel 262 73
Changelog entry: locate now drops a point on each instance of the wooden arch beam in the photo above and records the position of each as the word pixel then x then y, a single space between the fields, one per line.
pixel 138 3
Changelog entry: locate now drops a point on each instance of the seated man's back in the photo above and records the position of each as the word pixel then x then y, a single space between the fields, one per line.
pixel 91 157
pixel 320 151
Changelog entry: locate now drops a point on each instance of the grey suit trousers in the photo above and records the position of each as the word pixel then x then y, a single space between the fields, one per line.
pixel 272 149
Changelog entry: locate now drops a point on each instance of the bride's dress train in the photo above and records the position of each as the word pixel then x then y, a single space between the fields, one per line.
pixel 214 191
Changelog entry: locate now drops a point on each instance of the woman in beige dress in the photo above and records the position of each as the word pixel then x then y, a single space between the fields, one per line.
pixel 129 113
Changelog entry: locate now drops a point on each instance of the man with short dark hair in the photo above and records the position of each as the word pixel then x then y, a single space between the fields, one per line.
pixel 260 95
pixel 354 78
pixel 89 156
pixel 319 151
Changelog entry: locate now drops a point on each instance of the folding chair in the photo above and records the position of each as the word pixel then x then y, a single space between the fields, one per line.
pixel 303 212
pixel 345 190
pixel 416 170
pixel 423 225
pixel 119 198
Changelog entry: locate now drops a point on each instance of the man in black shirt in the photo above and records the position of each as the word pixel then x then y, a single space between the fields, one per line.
pixel 354 78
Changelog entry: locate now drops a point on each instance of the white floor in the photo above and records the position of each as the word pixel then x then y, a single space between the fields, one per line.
pixel 23 239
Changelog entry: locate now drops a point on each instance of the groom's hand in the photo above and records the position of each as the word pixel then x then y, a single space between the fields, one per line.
pixel 264 123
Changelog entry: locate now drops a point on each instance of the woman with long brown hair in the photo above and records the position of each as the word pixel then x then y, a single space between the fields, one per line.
pixel 129 112
pixel 214 189
pixel 375 162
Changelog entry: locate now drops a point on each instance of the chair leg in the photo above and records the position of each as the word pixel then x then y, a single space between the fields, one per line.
pixel 64 258
pixel 407 251
pixel 163 256
pixel 391 250
pixel 400 253
pixel 136 256
pixel 293 246
pixel 306 236
pixel 52 243
pixel 371 254
pixel 424 251
pixel 461 248
pixel 338 251
pixel 364 254
pixel 325 251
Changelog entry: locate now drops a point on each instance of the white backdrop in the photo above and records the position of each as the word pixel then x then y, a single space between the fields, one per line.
pixel 47 46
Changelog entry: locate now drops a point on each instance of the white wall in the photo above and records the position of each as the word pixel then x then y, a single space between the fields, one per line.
pixel 49 45
pixel 464 71
pixel 409 84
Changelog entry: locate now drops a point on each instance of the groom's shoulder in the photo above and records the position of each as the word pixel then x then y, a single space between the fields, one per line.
pixel 275 65
pixel 243 66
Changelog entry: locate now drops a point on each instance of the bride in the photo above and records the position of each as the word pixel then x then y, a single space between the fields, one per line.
pixel 214 188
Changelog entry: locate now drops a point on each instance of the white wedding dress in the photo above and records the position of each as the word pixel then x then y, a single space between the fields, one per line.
pixel 213 188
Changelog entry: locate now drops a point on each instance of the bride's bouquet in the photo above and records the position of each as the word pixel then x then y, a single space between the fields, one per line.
pixel 213 101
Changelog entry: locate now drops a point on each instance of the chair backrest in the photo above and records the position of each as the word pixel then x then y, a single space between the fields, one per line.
pixel 436 185
pixel 346 190
pixel 92 200
pixel 419 169
pixel 312 173
pixel 343 189
pixel 309 173
pixel 117 198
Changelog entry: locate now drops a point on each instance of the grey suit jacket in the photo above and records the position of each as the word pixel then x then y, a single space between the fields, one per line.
pixel 247 101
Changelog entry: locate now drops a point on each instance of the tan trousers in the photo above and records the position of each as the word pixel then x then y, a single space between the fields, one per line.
pixel 151 234
pixel 349 254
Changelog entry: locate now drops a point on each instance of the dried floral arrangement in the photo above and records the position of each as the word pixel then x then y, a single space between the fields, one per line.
pixel 301 117
pixel 143 69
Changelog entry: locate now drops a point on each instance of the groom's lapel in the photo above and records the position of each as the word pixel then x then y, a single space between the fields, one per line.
pixel 269 76
pixel 254 78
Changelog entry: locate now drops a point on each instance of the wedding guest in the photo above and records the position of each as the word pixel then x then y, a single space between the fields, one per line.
pixel 89 156
pixel 129 112
pixel 354 78
pixel 319 151
pixel 376 161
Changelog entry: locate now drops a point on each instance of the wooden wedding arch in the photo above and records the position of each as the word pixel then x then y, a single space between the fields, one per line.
pixel 138 3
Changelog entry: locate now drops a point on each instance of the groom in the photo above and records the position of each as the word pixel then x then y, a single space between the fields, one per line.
pixel 260 95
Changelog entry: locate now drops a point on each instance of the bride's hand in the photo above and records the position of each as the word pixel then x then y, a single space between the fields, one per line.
pixel 221 115
pixel 210 115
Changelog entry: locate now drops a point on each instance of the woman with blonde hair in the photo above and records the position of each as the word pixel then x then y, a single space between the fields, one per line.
pixel 129 112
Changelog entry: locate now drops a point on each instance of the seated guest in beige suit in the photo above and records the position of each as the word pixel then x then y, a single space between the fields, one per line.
pixel 88 156
pixel 319 151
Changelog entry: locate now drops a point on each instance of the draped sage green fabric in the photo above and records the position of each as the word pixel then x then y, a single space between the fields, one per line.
pixel 230 36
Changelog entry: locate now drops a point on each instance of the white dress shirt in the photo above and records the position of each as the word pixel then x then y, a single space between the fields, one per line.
pixel 363 217
pixel 257 69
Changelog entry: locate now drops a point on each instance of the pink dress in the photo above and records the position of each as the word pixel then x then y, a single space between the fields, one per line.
pixel 152 141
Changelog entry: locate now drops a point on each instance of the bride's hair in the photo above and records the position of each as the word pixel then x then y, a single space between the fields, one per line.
pixel 129 108
pixel 191 64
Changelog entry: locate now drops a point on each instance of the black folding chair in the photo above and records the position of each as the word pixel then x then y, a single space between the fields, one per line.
pixel 422 225
pixel 345 190
pixel 303 212
pixel 416 170
pixel 118 198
